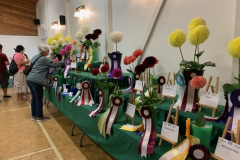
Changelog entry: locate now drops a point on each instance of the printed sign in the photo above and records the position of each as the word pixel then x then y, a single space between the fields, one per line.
pixel 139 85
pixel 131 110
pixel 169 90
pixel 170 131
pixel 227 149
pixel 73 64
pixel 210 99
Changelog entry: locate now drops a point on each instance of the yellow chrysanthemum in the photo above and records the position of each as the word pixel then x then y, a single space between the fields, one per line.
pixel 177 38
pixel 196 22
pixel 68 39
pixel 234 47
pixel 198 35
pixel 60 40
pixel 54 42
pixel 188 127
pixel 50 40
pixel 58 35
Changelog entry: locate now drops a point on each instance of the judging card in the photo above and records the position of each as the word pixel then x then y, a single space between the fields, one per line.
pixel 170 131
pixel 139 85
pixel 73 64
pixel 131 110
pixel 169 90
pixel 210 99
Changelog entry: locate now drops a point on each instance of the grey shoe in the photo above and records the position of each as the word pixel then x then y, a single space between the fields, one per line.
pixel 43 119
pixel 34 118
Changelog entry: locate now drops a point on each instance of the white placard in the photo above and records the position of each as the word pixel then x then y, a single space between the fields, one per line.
pixel 169 90
pixel 78 54
pixel 210 99
pixel 73 64
pixel 229 103
pixel 65 90
pixel 131 110
pixel 227 150
pixel 70 94
pixel 139 85
pixel 170 131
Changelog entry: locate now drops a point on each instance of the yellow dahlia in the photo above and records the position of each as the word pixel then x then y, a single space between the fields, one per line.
pixel 60 40
pixel 196 22
pixel 234 47
pixel 50 40
pixel 54 42
pixel 58 35
pixel 68 39
pixel 177 38
pixel 198 35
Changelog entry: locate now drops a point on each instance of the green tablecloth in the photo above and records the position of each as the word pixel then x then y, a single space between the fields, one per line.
pixel 80 65
pixel 123 144
pixel 82 76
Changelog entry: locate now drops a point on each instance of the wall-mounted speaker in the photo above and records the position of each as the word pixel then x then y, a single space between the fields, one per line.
pixel 62 20
pixel 36 21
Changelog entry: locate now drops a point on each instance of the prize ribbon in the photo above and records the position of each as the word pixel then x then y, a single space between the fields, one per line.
pixel 199 151
pixel 115 62
pixel 129 89
pixel 181 82
pixel 100 106
pixel 102 122
pixel 147 143
pixel 86 96
pixel 68 66
pixel 161 82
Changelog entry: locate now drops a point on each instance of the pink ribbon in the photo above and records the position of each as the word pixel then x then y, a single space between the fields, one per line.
pixel 100 106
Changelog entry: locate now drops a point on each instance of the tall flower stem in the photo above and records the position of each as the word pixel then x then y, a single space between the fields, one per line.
pixel 198 101
pixel 116 46
pixel 181 53
pixel 195 52
pixel 153 72
pixel 149 86
pixel 198 53
pixel 133 66
pixel 239 71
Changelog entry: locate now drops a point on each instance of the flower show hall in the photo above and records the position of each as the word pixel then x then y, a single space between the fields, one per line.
pixel 124 141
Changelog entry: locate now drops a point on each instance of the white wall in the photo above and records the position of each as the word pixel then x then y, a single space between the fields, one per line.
pixel 30 44
pixel 133 16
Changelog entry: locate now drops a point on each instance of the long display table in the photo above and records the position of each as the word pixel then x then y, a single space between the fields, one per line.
pixel 124 144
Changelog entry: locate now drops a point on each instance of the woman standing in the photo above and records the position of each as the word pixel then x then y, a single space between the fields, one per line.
pixel 20 83
pixel 37 78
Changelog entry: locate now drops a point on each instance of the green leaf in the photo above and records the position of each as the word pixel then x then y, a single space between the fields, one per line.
pixel 209 64
pixel 199 54
pixel 200 121
pixel 130 71
pixel 229 88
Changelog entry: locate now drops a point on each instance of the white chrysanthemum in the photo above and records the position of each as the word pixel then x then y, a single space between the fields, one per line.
pixel 60 40
pixel 85 29
pixel 116 36
pixel 54 42
pixel 79 35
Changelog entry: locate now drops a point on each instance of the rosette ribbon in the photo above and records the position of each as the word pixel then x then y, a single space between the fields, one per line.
pixel 55 84
pixel 161 82
pixel 129 89
pixel 68 67
pixel 102 122
pixel 100 105
pixel 86 96
pixel 235 110
pixel 199 151
pixel 115 62
pixel 190 97
pixel 181 83
pixel 147 142
pixel 76 96
pixel 116 103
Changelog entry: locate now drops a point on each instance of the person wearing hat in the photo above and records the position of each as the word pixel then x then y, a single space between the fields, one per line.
pixel 4 76
pixel 20 83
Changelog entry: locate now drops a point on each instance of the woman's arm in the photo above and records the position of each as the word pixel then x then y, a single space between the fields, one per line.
pixel 22 62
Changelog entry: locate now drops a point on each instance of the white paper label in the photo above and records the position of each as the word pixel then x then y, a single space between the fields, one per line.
pixel 210 99
pixel 78 54
pixel 65 90
pixel 70 94
pixel 170 131
pixel 229 103
pixel 64 87
pixel 73 64
pixel 236 117
pixel 139 85
pixel 169 90
pixel 190 97
pixel 227 149
pixel 131 110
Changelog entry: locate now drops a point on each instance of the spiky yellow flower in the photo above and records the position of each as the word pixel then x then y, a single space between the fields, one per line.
pixel 234 47
pixel 50 40
pixel 68 39
pixel 196 22
pixel 177 38
pixel 198 35
pixel 188 128
pixel 60 40
pixel 58 35
pixel 54 42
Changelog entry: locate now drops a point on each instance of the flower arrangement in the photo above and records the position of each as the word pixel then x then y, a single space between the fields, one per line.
pixel 116 37
pixel 153 97
pixel 199 82
pixel 104 85
pixel 91 40
pixel 198 34
pixel 128 60
pixel 234 51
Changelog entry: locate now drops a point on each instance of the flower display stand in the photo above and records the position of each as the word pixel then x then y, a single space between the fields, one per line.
pixel 175 121
pixel 213 91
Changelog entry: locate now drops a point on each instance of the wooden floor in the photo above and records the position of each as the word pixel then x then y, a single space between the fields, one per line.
pixel 24 139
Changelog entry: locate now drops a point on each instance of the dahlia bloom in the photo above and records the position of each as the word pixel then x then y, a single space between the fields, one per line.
pixel 116 36
pixel 198 35
pixel 177 38
pixel 196 22
pixel 198 82
pixel 234 47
